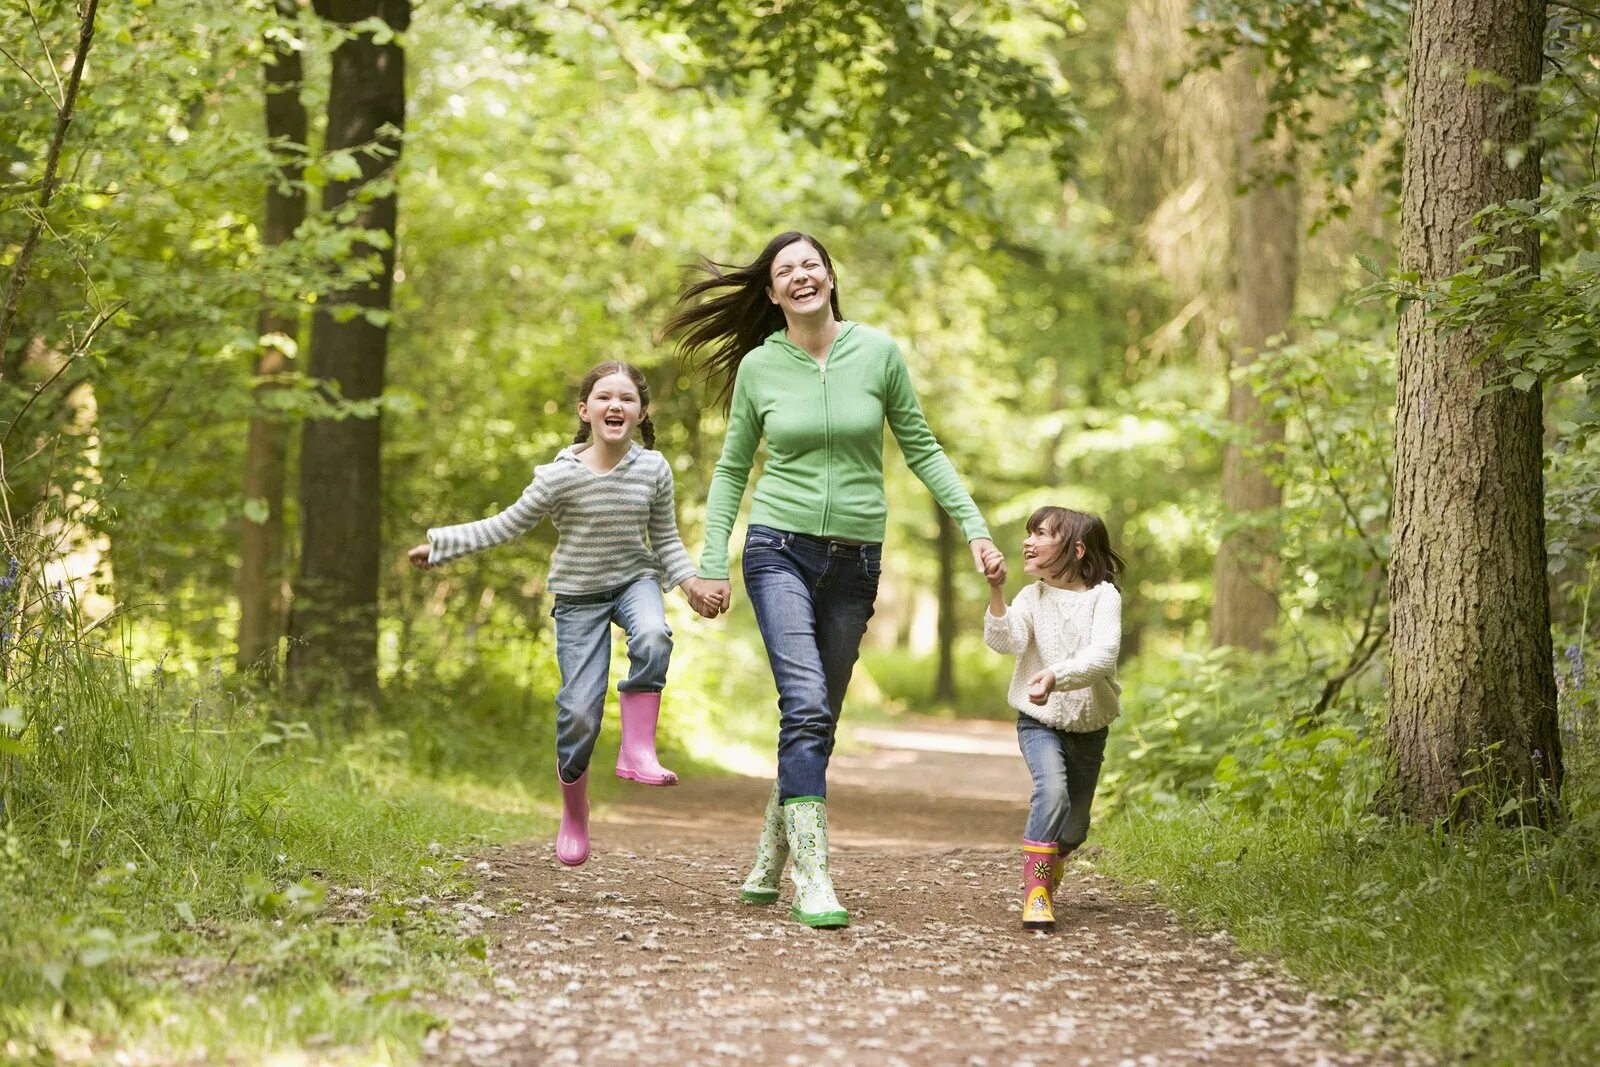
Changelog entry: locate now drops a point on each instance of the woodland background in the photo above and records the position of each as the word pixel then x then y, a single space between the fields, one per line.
pixel 1301 297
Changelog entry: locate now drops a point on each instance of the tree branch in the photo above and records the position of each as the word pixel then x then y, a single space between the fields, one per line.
pixel 50 59
pixel 29 75
pixel 642 70
pixel 1582 9
pixel 19 270
pixel 1338 490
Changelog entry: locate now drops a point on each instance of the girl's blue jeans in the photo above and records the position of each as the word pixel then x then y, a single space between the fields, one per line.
pixel 583 652
pixel 812 599
pixel 1065 768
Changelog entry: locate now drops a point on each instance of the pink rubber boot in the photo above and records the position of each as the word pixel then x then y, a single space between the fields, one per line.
pixel 1038 857
pixel 572 840
pixel 1059 868
pixel 636 759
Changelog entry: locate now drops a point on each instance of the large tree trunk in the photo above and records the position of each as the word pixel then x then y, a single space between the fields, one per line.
pixel 1472 687
pixel 944 683
pixel 1266 256
pixel 260 579
pixel 334 625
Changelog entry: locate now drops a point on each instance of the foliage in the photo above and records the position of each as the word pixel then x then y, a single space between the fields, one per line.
pixel 1336 74
pixel 1478 947
pixel 182 867
pixel 918 96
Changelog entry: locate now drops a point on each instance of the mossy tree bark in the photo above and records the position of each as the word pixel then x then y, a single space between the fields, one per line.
pixel 1473 697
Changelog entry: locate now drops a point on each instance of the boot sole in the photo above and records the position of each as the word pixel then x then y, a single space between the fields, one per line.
pixel 1039 925
pixel 821 920
pixel 635 776
pixel 759 896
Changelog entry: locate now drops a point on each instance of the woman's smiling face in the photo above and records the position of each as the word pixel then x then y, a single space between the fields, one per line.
pixel 800 282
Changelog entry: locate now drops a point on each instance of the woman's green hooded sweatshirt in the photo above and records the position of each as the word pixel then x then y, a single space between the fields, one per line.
pixel 823 425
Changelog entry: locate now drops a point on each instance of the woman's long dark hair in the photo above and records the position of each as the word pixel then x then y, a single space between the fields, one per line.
pixel 647 429
pixel 716 334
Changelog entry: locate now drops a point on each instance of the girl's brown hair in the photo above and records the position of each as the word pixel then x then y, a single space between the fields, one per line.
pixel 647 430
pixel 1098 562
pixel 716 335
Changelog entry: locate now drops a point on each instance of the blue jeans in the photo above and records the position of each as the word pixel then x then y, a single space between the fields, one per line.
pixel 812 599
pixel 1065 768
pixel 583 651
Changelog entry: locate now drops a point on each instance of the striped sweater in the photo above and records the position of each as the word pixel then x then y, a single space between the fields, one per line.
pixel 613 528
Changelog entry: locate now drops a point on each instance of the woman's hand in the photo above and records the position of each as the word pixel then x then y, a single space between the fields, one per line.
pixel 991 562
pixel 418 557
pixel 1040 685
pixel 708 596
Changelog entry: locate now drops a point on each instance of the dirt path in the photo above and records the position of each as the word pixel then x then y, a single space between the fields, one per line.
pixel 645 954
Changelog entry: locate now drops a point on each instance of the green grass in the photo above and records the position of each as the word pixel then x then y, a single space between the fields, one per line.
pixel 1484 948
pixel 182 876
pixel 1479 947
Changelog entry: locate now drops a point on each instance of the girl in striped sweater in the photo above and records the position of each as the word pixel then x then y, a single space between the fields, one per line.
pixel 618 549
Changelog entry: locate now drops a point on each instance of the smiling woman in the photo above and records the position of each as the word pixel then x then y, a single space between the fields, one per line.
pixel 817 389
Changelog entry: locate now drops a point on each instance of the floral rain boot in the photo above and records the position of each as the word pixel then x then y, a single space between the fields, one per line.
pixel 1038 859
pixel 572 840
pixel 771 853
pixel 636 758
pixel 805 822
pixel 1058 869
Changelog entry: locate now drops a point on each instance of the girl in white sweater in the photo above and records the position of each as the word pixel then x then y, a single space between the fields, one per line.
pixel 1066 631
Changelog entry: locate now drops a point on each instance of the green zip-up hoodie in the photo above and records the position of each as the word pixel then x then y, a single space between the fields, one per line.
pixel 823 424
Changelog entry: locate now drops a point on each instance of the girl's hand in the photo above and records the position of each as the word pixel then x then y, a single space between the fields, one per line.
pixel 1040 686
pixel 694 591
pixel 991 562
pixel 418 557
pixel 717 594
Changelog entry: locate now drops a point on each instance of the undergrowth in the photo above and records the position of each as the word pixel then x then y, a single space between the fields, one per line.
pixel 1479 946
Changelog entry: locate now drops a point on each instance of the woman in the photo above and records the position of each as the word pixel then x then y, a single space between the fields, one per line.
pixel 817 389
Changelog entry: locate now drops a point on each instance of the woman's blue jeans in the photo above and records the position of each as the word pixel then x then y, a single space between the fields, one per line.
pixel 812 599
pixel 1065 768
pixel 583 652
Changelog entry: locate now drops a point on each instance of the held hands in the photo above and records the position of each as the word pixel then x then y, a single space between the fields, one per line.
pixel 990 561
pixel 1040 685
pixel 709 597
pixel 418 557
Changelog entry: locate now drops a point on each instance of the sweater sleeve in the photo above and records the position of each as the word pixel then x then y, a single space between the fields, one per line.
pixel 1098 658
pixel 730 478
pixel 452 542
pixel 1009 633
pixel 922 452
pixel 676 566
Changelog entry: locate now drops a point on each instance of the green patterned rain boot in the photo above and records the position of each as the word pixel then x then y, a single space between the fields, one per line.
pixel 771 853
pixel 805 821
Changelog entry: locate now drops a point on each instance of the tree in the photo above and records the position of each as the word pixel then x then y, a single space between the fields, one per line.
pixel 334 623
pixel 1266 243
pixel 1472 689
pixel 261 560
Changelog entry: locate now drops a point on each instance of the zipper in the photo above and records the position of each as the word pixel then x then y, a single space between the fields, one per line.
pixel 827 441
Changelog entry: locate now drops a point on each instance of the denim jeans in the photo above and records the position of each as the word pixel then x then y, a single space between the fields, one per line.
pixel 1066 769
pixel 812 599
pixel 583 651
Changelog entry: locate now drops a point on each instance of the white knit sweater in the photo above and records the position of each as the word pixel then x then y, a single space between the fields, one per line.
pixel 1078 635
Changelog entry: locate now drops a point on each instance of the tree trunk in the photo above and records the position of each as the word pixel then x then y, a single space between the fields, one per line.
pixel 260 579
pixel 944 684
pixel 1472 687
pixel 334 625
pixel 1266 243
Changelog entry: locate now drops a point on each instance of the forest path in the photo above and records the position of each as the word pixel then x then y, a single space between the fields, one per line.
pixel 645 953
